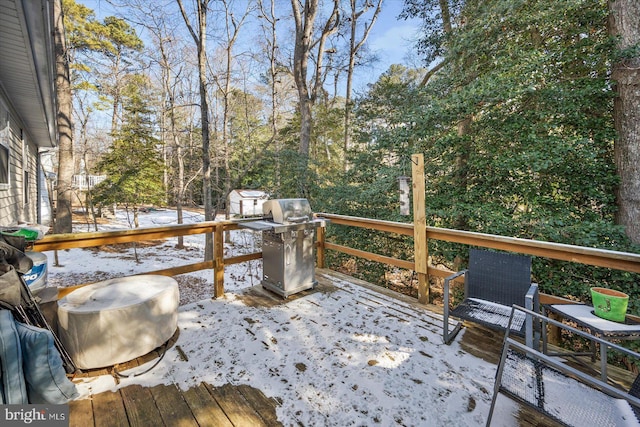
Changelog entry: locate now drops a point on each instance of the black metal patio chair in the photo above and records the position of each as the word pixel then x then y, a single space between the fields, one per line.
pixel 556 389
pixel 494 282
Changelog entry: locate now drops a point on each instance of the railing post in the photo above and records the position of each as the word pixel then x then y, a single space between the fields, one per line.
pixel 218 259
pixel 421 252
pixel 320 253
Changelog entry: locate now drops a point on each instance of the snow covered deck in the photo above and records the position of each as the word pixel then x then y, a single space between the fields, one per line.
pixel 345 353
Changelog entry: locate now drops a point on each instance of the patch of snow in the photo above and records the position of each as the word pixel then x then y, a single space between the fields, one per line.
pixel 344 358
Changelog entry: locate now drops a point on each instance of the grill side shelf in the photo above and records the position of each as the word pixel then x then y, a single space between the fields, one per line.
pixel 281 228
pixel 257 225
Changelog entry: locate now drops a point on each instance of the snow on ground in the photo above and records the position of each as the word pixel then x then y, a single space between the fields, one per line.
pixel 350 357
pixel 94 264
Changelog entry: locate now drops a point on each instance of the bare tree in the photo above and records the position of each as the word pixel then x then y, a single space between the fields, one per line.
pixel 279 80
pixel 170 69
pixel 271 37
pixel 63 217
pixel 330 27
pixel 354 46
pixel 83 153
pixel 200 39
pixel 304 15
pixel 166 51
pixel 624 23
pixel 271 50
pixel 232 30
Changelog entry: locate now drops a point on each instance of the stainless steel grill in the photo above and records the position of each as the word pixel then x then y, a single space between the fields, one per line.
pixel 288 231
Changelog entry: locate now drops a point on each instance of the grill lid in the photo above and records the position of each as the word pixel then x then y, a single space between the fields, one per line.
pixel 287 211
pixel 284 215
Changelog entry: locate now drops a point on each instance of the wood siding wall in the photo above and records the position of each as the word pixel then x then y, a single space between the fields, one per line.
pixel 14 206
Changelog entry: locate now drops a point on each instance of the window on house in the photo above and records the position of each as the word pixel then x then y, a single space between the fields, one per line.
pixel 25 168
pixel 5 145
pixel 26 187
pixel 4 165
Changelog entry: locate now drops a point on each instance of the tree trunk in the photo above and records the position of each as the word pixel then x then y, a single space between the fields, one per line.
pixel 178 189
pixel 63 216
pixel 461 178
pixel 304 31
pixel 232 27
pixel 271 52
pixel 624 23
pixel 354 47
pixel 200 39
pixel 181 187
pixel 209 214
pixel 347 101
pixel 115 72
pixel 331 26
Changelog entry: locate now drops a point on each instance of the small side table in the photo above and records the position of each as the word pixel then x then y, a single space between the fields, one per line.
pixel 584 316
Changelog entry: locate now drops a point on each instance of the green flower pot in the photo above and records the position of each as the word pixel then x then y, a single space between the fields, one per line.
pixel 29 235
pixel 609 304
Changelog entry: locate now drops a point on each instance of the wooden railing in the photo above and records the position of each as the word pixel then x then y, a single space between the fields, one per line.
pixel 583 255
pixel 589 256
pixel 100 238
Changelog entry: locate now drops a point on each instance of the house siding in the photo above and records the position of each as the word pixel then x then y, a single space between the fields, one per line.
pixel 14 206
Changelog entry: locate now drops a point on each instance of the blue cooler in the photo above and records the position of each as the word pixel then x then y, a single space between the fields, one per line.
pixel 36 278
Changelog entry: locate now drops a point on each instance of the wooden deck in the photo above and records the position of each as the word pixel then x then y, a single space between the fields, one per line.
pixel 233 406
pixel 167 405
pixel 242 405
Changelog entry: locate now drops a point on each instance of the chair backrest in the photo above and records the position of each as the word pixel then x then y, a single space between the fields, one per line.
pixel 499 277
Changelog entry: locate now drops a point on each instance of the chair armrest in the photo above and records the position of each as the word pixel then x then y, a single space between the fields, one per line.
pixel 454 276
pixel 530 303
pixel 446 283
pixel 445 327
pixel 549 374
pixel 584 334
pixel 531 297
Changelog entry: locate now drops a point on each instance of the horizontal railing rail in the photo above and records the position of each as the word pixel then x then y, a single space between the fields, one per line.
pixel 99 238
pixel 624 261
pixel 103 238
pixel 590 256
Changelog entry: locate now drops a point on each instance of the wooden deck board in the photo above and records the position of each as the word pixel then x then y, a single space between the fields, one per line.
pixel 264 406
pixel 80 413
pixel 172 406
pixel 140 406
pixel 236 406
pixel 167 405
pixel 204 407
pixel 108 410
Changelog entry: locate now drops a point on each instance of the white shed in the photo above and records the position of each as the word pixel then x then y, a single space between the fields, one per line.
pixel 246 202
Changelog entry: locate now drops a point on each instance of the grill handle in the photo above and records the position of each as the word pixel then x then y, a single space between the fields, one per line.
pixel 298 219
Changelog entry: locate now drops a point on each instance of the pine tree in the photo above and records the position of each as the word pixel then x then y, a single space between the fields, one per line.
pixel 133 164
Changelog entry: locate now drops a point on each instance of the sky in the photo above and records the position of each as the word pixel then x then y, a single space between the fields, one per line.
pixel 350 356
pixel 391 39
